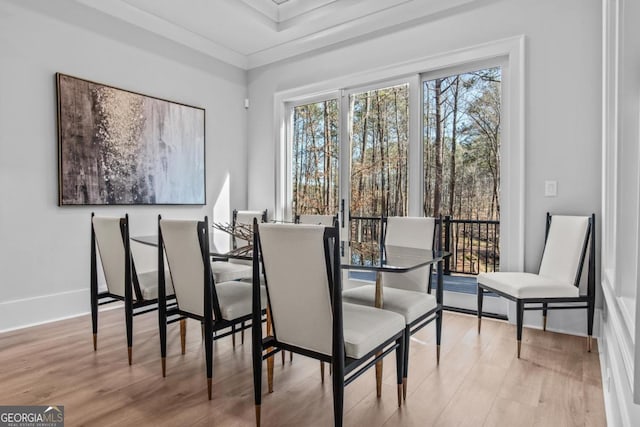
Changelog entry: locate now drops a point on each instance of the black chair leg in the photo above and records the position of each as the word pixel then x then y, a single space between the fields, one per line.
pixel 400 351
pixel 405 364
pixel 233 335
pixel 208 351
pixel 256 351
pixel 519 320
pixel 591 306
pixel 94 319
pixel 338 394
pixel 128 309
pixel 438 334
pixel 544 316
pixel 242 333
pixel 480 300
pixel 162 329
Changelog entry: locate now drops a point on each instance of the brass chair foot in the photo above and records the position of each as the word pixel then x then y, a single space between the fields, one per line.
pixel 544 323
pixel 519 346
pixel 164 366
pixel 95 342
pixel 400 391
pixel 233 339
pixel 183 335
pixel 258 415
pixel 589 344
pixel 129 354
pixel 438 354
pixel 282 356
pixel 322 371
pixel 404 388
pixel 479 323
pixel 209 387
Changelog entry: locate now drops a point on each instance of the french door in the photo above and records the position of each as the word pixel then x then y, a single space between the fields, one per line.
pixel 415 146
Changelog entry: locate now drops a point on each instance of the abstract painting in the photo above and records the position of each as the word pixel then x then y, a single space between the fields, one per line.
pixel 117 147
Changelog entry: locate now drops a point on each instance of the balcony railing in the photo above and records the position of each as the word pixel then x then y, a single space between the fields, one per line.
pixel 474 244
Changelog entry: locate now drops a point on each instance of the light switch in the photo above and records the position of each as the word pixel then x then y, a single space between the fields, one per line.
pixel 550 188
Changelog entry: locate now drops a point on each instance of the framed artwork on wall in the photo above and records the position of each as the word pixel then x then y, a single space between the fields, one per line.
pixel 117 147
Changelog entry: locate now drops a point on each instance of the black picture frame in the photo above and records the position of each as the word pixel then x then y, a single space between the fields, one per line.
pixel 119 147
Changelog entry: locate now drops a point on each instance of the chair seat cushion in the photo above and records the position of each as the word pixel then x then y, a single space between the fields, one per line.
pixel 227 271
pixel 410 304
pixel 148 282
pixel 527 285
pixel 236 299
pixel 365 328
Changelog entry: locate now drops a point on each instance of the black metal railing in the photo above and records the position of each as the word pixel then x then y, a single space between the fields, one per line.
pixel 474 244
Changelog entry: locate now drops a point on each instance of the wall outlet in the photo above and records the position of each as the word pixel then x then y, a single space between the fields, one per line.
pixel 550 188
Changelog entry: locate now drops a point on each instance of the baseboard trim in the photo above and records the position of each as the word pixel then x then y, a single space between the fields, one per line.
pixel 27 312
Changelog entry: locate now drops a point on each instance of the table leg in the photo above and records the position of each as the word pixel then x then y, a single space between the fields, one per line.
pixel 378 304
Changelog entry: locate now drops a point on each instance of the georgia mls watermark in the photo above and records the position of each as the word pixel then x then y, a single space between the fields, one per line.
pixel 32 416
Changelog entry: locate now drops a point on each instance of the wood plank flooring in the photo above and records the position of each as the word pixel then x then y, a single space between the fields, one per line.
pixel 479 381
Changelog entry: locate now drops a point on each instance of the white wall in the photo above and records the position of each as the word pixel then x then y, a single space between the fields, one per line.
pixel 44 249
pixel 562 102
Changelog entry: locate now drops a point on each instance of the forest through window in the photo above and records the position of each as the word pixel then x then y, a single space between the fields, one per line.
pixel 460 144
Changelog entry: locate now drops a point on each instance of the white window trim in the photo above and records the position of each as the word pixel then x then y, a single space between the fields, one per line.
pixel 513 130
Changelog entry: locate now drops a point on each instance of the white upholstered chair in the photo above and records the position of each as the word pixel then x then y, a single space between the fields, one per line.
pixel 569 239
pixel 237 269
pixel 224 271
pixel 218 305
pixel 408 294
pixel 137 289
pixel 303 280
pixel 314 219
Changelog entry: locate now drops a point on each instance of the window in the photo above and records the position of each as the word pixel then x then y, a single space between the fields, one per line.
pixel 314 155
pixel 461 148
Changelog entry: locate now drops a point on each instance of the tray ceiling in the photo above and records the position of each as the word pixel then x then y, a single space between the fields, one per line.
pixel 251 33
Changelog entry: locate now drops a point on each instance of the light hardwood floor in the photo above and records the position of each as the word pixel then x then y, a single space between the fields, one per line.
pixel 479 380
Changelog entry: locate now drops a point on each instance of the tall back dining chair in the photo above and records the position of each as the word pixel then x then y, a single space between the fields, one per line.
pixel 408 293
pixel 244 218
pixel 218 306
pixel 303 281
pixel 569 240
pixel 139 290
pixel 316 219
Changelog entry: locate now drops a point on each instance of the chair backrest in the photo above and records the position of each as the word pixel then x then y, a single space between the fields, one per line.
pixel 413 232
pixel 565 248
pixel 182 241
pixel 297 270
pixel 110 241
pixel 326 220
pixel 245 218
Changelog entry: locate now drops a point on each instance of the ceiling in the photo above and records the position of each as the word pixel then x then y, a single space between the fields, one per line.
pixel 252 33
